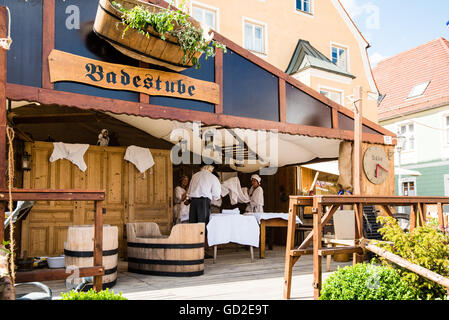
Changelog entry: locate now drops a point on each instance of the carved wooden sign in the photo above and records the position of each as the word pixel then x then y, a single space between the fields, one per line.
pixel 69 67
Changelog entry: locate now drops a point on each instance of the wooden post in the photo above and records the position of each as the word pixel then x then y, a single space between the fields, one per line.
pixel 422 214
pixel 357 167
pixel 219 78
pixel 263 229
pixel 48 39
pixel 289 246
pixel 358 210
pixel 317 259
pixel 98 243
pixel 3 34
pixel 440 216
pixel 413 213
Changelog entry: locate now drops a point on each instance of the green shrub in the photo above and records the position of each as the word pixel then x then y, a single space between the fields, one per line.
pixel 92 295
pixel 426 246
pixel 365 282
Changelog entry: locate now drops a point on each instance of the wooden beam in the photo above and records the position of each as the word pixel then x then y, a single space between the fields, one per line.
pixel 422 215
pixel 440 216
pixel 58 118
pixel 324 221
pixel 428 274
pixel 300 252
pixel 379 200
pixel 48 40
pixel 317 260
pixel 3 142
pixel 282 101
pixel 98 243
pixel 339 250
pixel 3 67
pixel 56 274
pixel 358 210
pixel 219 79
pixel 413 217
pixel 335 124
pixel 86 102
pixel 48 194
pixel 289 261
pixel 388 210
pixel 357 151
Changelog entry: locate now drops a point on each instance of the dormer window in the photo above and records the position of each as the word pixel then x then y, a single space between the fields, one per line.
pixel 304 6
pixel 418 90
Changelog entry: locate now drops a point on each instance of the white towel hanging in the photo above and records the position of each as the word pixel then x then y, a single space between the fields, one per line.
pixel 140 157
pixel 71 151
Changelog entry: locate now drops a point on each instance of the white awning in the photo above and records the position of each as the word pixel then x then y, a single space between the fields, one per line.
pixel 326 167
pixel 276 150
pixel 405 172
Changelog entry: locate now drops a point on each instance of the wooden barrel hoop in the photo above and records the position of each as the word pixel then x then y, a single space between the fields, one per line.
pixel 166 256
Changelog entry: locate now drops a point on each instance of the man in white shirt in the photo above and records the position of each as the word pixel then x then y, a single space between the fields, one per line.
pixel 204 187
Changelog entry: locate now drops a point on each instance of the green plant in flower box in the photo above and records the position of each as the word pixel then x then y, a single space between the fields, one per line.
pixel 91 294
pixel 175 23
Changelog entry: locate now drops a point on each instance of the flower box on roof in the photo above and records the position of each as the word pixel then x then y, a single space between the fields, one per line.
pixel 126 25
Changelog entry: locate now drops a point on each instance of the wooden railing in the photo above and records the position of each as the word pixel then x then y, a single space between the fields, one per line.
pixel 324 207
pixel 98 196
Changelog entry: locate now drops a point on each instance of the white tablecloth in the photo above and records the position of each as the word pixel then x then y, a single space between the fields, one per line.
pixel 236 228
pixel 270 215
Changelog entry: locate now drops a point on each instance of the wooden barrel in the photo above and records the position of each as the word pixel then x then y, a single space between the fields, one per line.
pixel 153 49
pixel 179 255
pixel 79 250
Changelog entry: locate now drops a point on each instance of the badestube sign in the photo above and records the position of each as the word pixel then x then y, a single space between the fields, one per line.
pixel 69 67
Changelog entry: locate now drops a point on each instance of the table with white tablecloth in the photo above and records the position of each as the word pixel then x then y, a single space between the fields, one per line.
pixel 235 228
pixel 270 219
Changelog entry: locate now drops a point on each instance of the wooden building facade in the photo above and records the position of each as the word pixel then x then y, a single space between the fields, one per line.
pixel 253 95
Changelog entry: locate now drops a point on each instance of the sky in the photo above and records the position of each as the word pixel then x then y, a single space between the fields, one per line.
pixel 394 26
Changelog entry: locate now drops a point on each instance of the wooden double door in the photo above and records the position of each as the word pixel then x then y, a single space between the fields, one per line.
pixel 130 195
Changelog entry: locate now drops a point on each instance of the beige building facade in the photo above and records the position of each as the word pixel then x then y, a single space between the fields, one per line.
pixel 275 29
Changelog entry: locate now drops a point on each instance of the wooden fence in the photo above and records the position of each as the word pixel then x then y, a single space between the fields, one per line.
pixel 324 207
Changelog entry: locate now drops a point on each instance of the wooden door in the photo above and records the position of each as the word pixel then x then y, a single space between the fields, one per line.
pixel 130 196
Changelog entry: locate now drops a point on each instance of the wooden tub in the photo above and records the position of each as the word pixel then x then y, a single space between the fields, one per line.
pixel 79 250
pixel 179 255
pixel 167 53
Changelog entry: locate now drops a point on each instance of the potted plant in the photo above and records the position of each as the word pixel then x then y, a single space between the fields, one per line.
pixel 153 34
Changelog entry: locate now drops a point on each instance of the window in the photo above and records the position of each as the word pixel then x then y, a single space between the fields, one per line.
pixel 407 131
pixel 418 90
pixel 408 188
pixel 254 37
pixel 204 15
pixel 332 94
pixel 304 5
pixel 339 57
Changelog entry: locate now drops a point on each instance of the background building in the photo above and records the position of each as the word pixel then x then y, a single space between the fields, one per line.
pixel 415 104
pixel 314 41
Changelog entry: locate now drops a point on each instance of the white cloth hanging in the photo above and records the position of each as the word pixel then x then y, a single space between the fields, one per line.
pixel 140 157
pixel 71 151
pixel 237 194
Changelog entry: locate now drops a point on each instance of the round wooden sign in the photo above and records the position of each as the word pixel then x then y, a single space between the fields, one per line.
pixel 376 165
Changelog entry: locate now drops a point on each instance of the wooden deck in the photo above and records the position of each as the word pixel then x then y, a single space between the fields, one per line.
pixel 232 277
